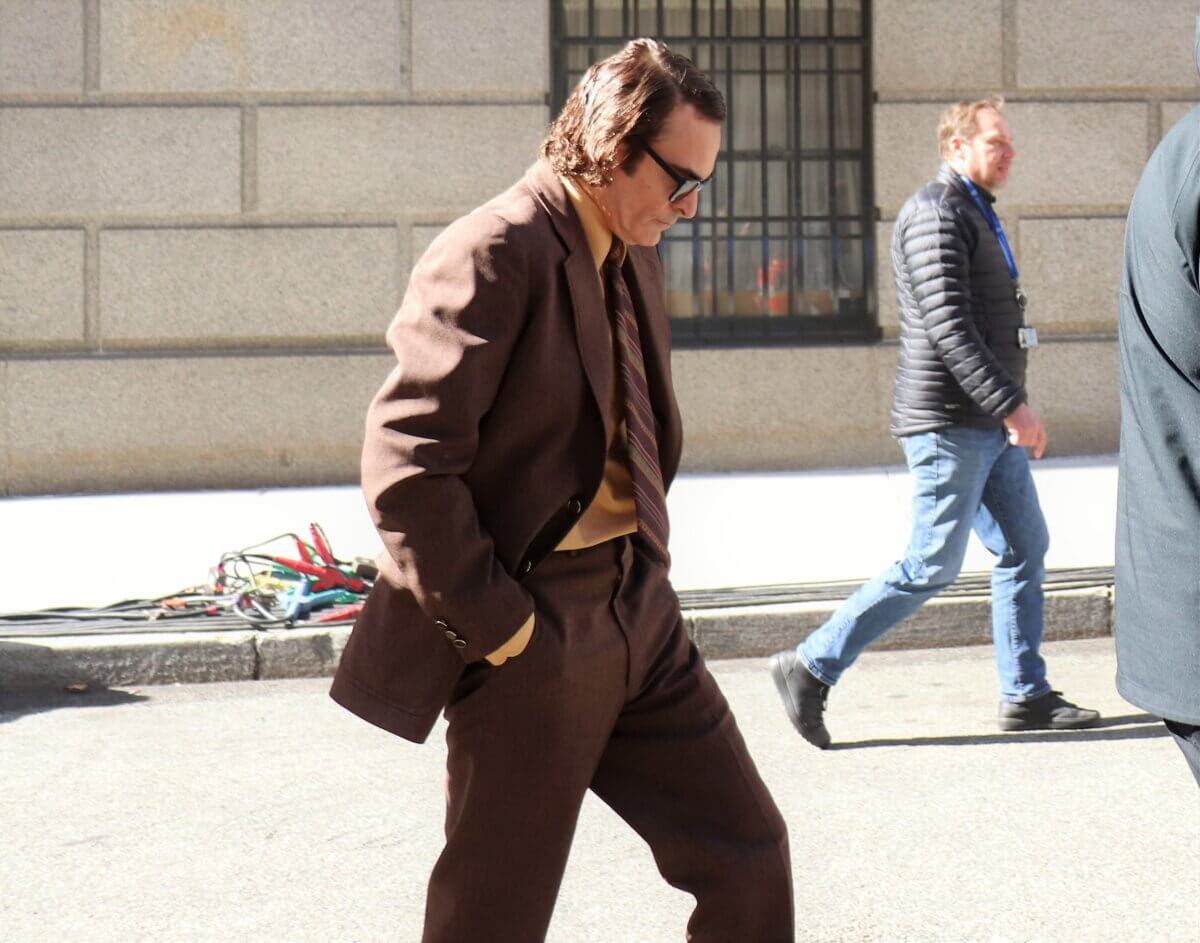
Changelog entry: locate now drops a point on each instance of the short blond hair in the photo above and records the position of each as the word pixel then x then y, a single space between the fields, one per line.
pixel 962 121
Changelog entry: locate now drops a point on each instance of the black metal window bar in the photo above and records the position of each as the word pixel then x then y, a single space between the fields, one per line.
pixel 782 247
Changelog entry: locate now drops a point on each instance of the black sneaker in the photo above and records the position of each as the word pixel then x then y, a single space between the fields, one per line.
pixel 1048 712
pixel 803 696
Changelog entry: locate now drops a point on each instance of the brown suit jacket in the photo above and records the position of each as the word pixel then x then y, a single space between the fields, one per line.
pixel 488 440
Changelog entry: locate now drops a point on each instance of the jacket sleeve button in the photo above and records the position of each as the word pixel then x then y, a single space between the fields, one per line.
pixel 575 506
pixel 451 634
pixel 460 643
pixel 526 566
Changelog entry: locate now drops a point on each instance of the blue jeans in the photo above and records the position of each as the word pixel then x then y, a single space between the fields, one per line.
pixel 964 478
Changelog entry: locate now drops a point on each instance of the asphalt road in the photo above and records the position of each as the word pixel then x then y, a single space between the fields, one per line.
pixel 260 811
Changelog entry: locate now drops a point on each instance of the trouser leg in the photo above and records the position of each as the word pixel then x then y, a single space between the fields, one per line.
pixel 1011 525
pixel 1187 736
pixel 523 742
pixel 948 470
pixel 677 770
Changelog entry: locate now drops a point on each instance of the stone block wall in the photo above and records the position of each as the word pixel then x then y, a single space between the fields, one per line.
pixel 209 209
pixel 208 212
pixel 1091 86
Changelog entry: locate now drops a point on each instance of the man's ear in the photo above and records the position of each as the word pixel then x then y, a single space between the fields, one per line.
pixel 957 145
pixel 628 154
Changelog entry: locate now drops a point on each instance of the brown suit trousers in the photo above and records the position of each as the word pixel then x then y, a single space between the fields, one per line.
pixel 610 695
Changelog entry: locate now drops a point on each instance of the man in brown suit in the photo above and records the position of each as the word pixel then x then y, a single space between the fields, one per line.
pixel 516 461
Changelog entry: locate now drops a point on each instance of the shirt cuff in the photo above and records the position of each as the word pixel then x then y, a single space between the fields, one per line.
pixel 516 644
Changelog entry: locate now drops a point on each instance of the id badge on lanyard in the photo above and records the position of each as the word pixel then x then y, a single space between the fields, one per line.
pixel 1026 336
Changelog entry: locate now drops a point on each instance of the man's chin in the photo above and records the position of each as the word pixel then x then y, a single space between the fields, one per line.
pixel 647 238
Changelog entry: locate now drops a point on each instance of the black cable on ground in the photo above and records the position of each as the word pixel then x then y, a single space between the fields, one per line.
pixel 124 618
pixel 976 584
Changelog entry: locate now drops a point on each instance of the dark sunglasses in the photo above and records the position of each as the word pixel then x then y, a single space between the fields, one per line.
pixel 683 185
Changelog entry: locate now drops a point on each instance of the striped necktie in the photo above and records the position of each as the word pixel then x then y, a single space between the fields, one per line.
pixel 649 496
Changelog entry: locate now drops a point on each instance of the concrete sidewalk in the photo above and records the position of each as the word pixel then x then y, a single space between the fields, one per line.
pixel 728 531
pixel 263 812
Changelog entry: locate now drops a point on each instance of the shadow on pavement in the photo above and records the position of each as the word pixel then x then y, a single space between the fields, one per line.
pixel 1122 727
pixel 17 704
pixel 38 666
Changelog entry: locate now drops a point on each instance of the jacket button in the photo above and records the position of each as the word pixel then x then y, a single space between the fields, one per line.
pixel 526 566
pixel 442 624
pixel 575 506
pixel 451 634
pixel 460 643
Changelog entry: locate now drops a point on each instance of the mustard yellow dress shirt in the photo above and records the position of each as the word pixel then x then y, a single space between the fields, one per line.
pixel 612 512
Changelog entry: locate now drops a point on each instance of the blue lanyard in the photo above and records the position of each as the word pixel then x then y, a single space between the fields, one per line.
pixel 994 221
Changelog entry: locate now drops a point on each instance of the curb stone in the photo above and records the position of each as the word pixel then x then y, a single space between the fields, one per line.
pixel 117 660
pixel 741 632
pixel 300 653
pixel 945 622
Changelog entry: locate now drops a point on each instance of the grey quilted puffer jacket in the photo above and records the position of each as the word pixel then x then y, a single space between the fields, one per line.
pixel 960 363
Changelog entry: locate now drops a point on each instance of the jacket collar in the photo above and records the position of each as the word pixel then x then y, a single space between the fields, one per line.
pixel 949 176
pixel 548 189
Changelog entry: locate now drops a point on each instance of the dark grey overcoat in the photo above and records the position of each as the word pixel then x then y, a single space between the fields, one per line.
pixel 1157 618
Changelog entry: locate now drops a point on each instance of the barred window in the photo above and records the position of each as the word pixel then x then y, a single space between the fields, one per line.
pixel 781 249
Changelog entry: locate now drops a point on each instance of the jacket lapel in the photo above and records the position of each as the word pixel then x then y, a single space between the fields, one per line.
pixel 592 333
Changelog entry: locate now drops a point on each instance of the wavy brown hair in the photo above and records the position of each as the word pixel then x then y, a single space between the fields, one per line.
pixel 620 102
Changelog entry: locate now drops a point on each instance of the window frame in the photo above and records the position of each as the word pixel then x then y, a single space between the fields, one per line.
pixel 858 322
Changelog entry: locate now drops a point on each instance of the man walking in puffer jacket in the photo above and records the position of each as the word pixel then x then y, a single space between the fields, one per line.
pixel 960 414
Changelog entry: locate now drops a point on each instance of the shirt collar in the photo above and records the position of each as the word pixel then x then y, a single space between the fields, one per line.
pixel 595 226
